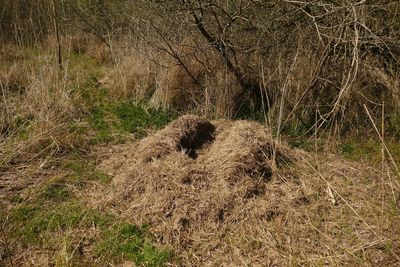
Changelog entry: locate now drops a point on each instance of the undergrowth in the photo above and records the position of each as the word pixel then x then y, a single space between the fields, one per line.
pixel 53 217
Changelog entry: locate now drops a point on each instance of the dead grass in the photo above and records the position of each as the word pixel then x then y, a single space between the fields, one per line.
pixel 132 76
pixel 197 83
pixel 302 85
pixel 33 116
pixel 229 206
pixel 218 192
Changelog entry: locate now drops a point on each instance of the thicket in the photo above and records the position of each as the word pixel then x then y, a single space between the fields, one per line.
pixel 297 64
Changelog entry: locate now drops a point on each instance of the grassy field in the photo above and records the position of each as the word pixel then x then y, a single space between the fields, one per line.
pixel 55 125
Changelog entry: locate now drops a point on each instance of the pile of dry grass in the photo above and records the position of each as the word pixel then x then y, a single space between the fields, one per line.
pixel 186 135
pixel 225 149
pixel 193 176
pixel 221 201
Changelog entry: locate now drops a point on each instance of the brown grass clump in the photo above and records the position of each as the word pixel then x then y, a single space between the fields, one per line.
pixel 230 206
pixel 193 176
pixel 244 148
pixel 179 86
pixel 34 109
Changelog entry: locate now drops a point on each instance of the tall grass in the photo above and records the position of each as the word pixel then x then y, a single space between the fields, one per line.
pixel 36 104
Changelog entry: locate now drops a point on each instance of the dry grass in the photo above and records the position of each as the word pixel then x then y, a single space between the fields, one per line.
pixel 40 105
pixel 34 107
pixel 219 192
pixel 299 83
pixel 302 86
pixel 229 206
pixel 198 83
pixel 131 76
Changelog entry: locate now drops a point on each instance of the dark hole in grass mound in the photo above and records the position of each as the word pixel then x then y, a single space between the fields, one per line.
pixel 198 134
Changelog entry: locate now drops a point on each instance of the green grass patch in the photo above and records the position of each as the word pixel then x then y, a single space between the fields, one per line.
pixel 110 119
pixel 127 241
pixel 369 150
pixel 56 192
pixel 354 150
pixel 135 119
pixel 82 171
pixel 35 223
pixel 44 225
pixel 85 64
pixel 97 118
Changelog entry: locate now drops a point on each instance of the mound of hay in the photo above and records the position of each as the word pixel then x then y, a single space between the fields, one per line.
pixel 223 150
pixel 221 194
pixel 194 176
